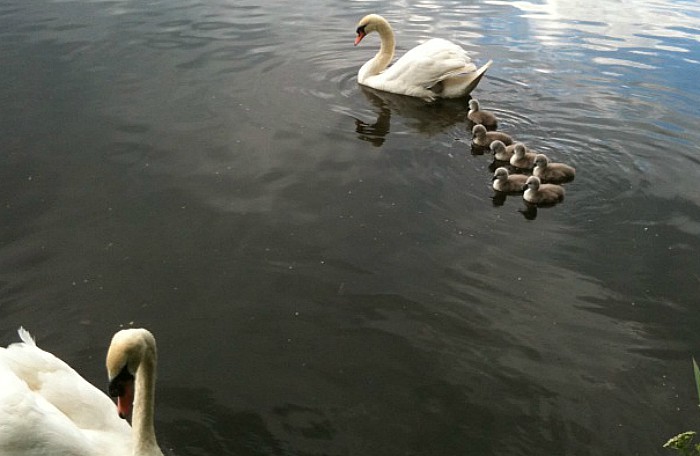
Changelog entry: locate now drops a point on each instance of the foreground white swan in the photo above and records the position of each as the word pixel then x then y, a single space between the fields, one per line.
pixel 434 69
pixel 47 408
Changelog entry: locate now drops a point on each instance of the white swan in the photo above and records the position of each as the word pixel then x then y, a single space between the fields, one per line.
pixel 434 69
pixel 47 408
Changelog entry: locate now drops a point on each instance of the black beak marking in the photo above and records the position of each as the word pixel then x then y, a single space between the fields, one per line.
pixel 116 386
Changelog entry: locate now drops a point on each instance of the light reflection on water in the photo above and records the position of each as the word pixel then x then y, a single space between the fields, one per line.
pixel 323 265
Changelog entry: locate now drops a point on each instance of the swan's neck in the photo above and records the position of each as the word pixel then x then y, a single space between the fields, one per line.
pixel 383 58
pixel 142 419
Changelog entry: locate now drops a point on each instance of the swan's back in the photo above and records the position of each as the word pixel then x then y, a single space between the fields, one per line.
pixel 47 408
pixel 440 57
pixel 425 65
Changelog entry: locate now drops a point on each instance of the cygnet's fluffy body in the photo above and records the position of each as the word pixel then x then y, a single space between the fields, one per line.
pixel 522 158
pixel 542 194
pixel 479 117
pixel 501 152
pixel 484 138
pixel 552 173
pixel 508 183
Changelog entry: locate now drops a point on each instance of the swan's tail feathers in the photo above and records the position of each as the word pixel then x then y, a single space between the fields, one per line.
pixel 26 337
pixel 477 77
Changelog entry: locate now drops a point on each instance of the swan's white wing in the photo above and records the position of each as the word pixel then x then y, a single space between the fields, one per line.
pixel 434 68
pixel 44 401
pixel 430 62
pixel 62 386
pixel 33 427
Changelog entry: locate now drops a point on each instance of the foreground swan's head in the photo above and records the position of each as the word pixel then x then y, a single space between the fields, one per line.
pixel 368 24
pixel 129 351
pixel 474 105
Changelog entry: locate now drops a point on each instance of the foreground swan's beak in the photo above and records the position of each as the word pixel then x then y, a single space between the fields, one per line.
pixel 122 387
pixel 359 37
pixel 126 400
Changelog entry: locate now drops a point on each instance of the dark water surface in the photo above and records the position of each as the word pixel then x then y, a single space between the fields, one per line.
pixel 324 266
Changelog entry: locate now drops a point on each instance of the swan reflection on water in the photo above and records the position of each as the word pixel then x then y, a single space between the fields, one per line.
pixel 425 118
pixel 529 210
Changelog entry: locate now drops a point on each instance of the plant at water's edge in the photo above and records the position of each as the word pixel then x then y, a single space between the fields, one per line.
pixel 696 372
pixel 684 442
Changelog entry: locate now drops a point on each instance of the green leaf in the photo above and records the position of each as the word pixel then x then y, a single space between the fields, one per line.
pixel 696 371
pixel 681 442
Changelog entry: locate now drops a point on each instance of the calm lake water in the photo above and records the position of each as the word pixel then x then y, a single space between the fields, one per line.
pixel 325 267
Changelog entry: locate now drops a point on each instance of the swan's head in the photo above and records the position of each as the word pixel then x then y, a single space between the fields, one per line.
pixel 500 174
pixel 478 130
pixel 368 24
pixel 497 146
pixel 532 183
pixel 129 348
pixel 474 104
pixel 541 160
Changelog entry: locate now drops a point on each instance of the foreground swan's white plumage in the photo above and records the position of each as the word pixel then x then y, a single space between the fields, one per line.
pixel 47 408
pixel 434 69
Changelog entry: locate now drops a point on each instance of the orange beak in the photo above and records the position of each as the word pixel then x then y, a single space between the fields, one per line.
pixel 126 400
pixel 359 37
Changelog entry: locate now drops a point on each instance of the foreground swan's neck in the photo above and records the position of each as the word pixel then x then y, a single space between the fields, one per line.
pixel 144 396
pixel 386 51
